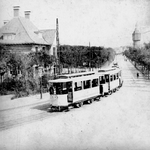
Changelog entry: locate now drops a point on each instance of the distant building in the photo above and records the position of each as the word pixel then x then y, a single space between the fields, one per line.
pixel 20 35
pixel 136 37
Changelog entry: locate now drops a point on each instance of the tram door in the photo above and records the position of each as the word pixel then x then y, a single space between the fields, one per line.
pixel 101 90
pixel 70 92
pixel 107 77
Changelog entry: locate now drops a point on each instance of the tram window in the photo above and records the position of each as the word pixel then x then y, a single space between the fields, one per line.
pixel 119 73
pixel 117 76
pixel 94 82
pixel 111 78
pixel 69 86
pixel 78 86
pixel 62 88
pixel 102 80
pixel 114 77
pixel 107 78
pixel 87 84
pixel 58 88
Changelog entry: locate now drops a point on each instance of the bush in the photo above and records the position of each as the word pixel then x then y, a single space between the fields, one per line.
pixel 7 86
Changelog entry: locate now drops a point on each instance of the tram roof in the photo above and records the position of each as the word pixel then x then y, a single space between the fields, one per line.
pixel 82 78
pixel 108 71
pixel 78 74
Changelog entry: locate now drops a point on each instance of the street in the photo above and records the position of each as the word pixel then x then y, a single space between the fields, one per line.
pixel 120 121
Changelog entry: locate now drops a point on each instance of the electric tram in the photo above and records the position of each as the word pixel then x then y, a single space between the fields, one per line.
pixel 75 91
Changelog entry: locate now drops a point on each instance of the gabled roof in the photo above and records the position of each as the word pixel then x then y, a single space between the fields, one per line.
pixel 25 33
pixel 48 35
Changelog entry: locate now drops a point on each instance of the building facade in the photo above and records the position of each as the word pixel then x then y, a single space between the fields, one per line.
pixel 21 35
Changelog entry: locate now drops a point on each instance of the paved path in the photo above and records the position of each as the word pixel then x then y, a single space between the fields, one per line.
pixel 6 103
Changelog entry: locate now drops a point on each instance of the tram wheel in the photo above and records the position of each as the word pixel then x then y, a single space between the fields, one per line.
pixel 92 100
pixel 81 104
pixel 67 109
pixel 98 98
pixel 77 105
pixel 89 101
pixel 49 110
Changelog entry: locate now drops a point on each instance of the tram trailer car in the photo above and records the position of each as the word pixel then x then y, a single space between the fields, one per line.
pixel 111 80
pixel 79 90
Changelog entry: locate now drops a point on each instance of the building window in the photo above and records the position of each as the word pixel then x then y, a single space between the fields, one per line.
pixel 36 49
pixel 43 48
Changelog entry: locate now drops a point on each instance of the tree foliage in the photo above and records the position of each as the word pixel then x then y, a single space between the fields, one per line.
pixel 19 62
pixel 79 56
pixel 140 56
pixel 70 56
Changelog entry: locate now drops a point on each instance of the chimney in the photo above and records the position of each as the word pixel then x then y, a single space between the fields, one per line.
pixel 5 21
pixel 27 14
pixel 16 11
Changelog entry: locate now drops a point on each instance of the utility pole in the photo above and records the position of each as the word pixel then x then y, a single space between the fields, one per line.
pixel 40 71
pixel 57 43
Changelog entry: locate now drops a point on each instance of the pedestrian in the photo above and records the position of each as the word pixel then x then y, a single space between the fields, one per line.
pixel 51 90
pixel 137 74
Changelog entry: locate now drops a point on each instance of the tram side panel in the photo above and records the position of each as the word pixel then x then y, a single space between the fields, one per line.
pixel 114 84
pixel 85 89
pixel 58 100
pixel 85 94
pixel 105 88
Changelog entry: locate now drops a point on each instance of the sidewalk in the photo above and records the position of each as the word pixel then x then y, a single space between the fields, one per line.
pixel 6 103
pixel 139 69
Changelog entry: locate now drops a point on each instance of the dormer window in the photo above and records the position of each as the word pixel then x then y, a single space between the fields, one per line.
pixel 39 34
pixel 8 36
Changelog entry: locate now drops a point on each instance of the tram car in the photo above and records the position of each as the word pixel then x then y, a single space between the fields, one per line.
pixel 76 91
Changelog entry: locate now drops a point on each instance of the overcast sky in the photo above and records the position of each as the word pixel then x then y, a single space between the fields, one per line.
pixel 108 23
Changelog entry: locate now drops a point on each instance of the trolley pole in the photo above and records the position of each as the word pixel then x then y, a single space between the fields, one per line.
pixel 57 44
pixel 90 56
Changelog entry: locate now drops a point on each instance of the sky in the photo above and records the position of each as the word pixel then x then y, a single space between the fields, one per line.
pixel 108 23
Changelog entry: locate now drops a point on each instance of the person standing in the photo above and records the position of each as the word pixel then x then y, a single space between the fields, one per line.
pixel 137 75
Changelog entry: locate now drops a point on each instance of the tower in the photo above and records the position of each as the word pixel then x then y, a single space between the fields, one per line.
pixel 136 37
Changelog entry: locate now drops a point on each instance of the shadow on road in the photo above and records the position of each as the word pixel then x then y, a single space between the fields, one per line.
pixel 42 107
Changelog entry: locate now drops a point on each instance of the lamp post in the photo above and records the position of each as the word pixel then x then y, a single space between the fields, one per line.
pixel 40 72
